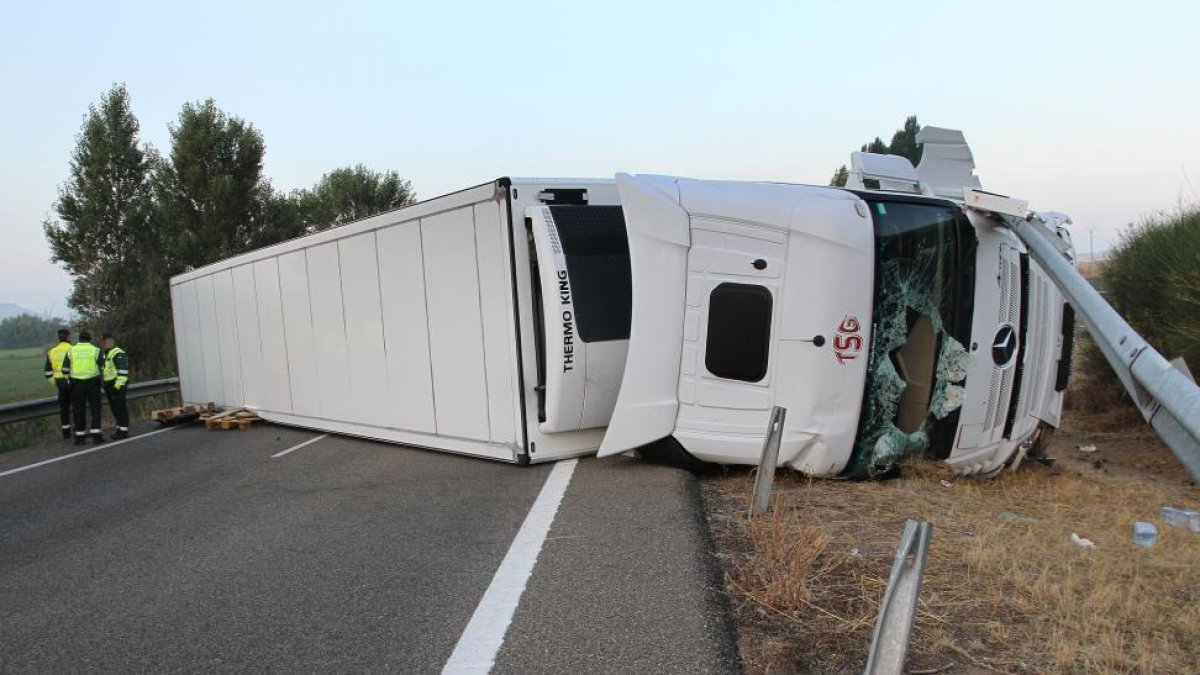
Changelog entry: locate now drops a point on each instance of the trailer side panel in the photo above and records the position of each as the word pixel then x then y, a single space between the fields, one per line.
pixel 399 327
pixel 402 282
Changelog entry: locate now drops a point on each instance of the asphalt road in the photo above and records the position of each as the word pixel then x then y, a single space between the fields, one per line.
pixel 197 551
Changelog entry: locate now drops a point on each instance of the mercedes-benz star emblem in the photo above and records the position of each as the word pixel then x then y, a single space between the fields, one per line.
pixel 1004 346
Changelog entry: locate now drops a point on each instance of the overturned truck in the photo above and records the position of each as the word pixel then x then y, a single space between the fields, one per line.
pixel 528 320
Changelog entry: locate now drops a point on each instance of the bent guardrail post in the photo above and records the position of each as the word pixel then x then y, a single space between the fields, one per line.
pixel 761 499
pixel 41 407
pixel 1167 399
pixel 899 604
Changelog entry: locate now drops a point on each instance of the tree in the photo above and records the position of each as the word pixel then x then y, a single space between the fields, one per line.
pixel 106 237
pixel 904 143
pixel 281 218
pixel 28 330
pixel 352 193
pixel 211 192
pixel 129 219
pixel 840 177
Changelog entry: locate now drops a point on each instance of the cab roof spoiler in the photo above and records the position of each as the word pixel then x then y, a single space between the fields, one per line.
pixel 947 167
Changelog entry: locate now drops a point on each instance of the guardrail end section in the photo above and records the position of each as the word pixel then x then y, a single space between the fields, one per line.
pixel 899 606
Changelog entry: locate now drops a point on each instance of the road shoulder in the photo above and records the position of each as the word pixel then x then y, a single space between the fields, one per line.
pixel 626 581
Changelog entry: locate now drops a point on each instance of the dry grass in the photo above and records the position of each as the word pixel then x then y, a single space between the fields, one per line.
pixel 998 596
pixel 45 429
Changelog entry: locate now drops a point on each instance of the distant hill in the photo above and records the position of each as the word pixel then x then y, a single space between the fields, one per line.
pixel 8 309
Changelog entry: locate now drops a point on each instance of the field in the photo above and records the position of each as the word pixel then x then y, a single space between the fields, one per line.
pixel 21 375
pixel 1005 589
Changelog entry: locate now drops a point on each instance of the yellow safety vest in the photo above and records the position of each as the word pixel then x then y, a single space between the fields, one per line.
pixel 56 355
pixel 85 361
pixel 111 372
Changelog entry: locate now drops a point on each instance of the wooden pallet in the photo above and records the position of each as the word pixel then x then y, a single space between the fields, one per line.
pixel 236 418
pixel 180 414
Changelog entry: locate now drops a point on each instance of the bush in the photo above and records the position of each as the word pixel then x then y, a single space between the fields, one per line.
pixel 27 330
pixel 1152 279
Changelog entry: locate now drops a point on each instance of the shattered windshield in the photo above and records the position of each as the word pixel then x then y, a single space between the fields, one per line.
pixel 924 289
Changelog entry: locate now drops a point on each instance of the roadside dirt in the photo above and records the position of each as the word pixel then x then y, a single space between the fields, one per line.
pixel 1005 589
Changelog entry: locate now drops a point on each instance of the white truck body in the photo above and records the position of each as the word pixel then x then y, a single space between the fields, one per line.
pixel 403 327
pixel 528 320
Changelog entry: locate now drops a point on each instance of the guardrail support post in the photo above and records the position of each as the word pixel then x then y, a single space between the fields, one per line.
pixel 899 605
pixel 761 499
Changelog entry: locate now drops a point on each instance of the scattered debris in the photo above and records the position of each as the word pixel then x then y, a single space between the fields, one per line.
pixel 854 552
pixel 1145 534
pixel 1082 541
pixel 946 484
pixel 1010 517
pixel 1185 519
pixel 1086 449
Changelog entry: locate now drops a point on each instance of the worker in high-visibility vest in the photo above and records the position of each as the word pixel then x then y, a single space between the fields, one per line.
pixel 55 376
pixel 82 365
pixel 116 376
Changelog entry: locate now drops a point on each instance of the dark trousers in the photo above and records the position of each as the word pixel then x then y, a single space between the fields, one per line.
pixel 64 402
pixel 85 396
pixel 116 403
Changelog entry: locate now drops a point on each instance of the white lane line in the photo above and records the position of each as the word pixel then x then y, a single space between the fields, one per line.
pixel 480 641
pixel 106 446
pixel 297 447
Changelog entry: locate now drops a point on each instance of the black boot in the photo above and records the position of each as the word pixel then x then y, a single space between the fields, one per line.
pixel 80 439
pixel 119 434
pixel 66 433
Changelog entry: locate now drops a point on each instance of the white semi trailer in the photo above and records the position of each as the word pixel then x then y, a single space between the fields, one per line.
pixel 529 320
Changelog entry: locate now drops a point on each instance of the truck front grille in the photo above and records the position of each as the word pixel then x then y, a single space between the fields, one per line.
pixel 1009 273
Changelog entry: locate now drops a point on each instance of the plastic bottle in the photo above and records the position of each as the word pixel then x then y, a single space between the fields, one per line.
pixel 1181 518
pixel 1145 534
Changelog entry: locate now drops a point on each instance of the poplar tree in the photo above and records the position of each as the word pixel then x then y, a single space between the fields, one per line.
pixel 352 193
pixel 105 235
pixel 211 190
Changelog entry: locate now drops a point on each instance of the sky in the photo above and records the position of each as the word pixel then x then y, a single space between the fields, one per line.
pixel 1090 108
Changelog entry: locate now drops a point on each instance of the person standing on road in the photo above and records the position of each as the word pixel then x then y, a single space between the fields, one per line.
pixel 82 365
pixel 115 369
pixel 55 376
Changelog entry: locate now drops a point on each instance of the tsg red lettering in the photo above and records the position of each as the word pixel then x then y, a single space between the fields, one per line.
pixel 847 344
pixel 844 343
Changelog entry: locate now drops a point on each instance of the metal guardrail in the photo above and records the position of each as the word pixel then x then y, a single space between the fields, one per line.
pixel 760 501
pixel 42 407
pixel 1167 399
pixel 899 605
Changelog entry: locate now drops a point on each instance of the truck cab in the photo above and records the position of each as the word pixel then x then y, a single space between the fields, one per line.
pixel 889 319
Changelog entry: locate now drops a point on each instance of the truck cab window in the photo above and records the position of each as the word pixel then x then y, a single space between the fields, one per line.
pixel 739 332
pixel 924 300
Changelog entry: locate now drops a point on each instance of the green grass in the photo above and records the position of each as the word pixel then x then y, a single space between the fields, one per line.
pixel 21 375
